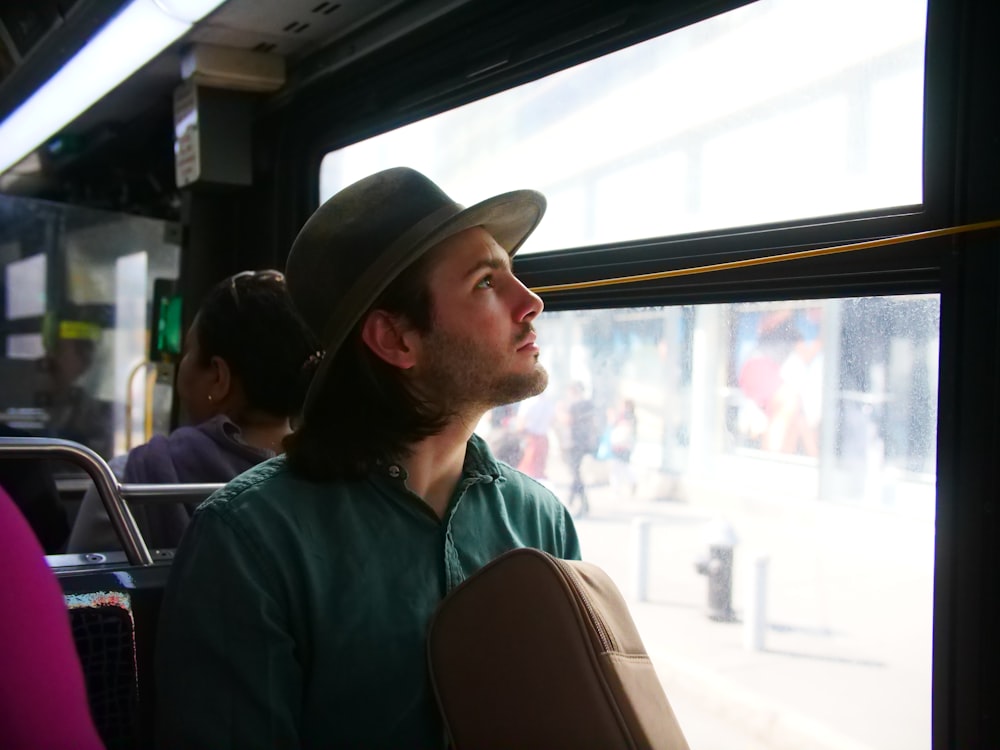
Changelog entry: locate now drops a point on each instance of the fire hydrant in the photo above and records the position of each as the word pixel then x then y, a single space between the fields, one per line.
pixel 718 566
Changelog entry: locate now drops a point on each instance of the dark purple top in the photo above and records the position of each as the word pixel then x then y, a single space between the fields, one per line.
pixel 211 452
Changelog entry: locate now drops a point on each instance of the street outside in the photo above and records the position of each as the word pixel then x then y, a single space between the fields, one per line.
pixel 845 662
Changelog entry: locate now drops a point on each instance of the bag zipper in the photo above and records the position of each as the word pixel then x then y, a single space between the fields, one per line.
pixel 603 634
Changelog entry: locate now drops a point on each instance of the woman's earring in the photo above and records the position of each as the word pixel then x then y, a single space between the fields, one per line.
pixel 209 396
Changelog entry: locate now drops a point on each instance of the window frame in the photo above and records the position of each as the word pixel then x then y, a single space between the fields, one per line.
pixel 426 71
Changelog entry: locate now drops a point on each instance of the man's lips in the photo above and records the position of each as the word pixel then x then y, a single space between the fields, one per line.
pixel 529 342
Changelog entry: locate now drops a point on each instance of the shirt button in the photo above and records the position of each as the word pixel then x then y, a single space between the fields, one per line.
pixel 395 471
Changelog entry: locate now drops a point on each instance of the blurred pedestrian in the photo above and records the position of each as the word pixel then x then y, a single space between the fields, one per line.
pixel 580 440
pixel 535 420
pixel 621 439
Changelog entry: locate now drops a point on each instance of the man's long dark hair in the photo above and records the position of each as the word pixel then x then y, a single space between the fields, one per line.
pixel 367 413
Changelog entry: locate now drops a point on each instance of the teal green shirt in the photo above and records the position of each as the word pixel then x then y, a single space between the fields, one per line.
pixel 296 612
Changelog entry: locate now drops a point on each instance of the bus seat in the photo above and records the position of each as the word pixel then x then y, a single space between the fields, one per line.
pixel 114 609
pixel 113 598
pixel 105 641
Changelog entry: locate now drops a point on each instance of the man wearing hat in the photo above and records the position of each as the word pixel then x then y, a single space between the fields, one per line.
pixel 298 605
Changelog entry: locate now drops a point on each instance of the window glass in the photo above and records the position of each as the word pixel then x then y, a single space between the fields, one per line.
pixel 24 287
pixel 759 480
pixel 780 110
pixel 77 290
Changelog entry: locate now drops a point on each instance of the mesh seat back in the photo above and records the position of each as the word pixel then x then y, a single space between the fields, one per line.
pixel 114 611
pixel 104 632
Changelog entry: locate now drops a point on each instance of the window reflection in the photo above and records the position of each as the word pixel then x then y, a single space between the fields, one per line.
pixel 68 395
pixel 76 300
pixel 801 435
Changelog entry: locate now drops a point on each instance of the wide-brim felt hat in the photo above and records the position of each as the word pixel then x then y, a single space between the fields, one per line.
pixel 363 237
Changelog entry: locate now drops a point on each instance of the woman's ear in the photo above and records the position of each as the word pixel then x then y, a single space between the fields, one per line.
pixel 221 383
pixel 390 337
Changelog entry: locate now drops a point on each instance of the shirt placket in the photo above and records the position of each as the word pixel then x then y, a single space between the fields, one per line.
pixel 454 574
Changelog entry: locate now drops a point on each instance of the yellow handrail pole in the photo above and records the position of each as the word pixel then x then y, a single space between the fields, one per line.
pixel 150 385
pixel 128 402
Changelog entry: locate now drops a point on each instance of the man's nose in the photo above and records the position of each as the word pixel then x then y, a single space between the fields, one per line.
pixel 530 304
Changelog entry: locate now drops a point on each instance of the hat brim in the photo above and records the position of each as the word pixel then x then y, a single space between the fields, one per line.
pixel 510 218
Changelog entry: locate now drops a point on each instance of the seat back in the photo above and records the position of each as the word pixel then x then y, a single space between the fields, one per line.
pixel 113 611
pixel 105 642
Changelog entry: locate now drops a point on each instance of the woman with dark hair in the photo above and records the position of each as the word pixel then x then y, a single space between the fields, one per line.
pixel 247 364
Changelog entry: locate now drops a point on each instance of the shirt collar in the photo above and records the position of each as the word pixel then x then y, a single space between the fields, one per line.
pixel 479 459
pixel 479 463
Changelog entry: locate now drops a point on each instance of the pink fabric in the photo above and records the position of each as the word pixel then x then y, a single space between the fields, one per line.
pixel 760 379
pixel 43 700
pixel 536 455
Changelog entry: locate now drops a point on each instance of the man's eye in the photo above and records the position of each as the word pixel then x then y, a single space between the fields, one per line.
pixel 485 283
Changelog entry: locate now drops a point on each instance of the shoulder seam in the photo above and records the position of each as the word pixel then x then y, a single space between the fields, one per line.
pixel 240 484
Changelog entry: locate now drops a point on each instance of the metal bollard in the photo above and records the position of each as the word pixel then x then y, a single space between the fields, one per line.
pixel 640 558
pixel 755 620
pixel 718 566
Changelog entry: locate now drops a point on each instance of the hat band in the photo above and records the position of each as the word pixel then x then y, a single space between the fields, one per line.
pixel 380 274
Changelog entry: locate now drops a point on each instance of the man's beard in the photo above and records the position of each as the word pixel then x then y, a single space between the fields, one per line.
pixel 461 374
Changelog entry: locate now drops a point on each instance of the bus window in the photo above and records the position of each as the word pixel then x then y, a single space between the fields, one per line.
pixel 77 301
pixel 762 484
pixel 776 111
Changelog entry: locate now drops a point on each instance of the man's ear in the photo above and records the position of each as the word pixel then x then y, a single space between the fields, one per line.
pixel 390 337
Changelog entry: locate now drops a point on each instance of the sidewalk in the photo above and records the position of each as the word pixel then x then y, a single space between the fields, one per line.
pixel 846 657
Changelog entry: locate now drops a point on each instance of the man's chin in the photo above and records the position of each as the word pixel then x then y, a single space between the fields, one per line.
pixel 541 380
pixel 522 387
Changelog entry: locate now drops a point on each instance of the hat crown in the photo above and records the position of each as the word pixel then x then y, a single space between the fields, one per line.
pixel 350 230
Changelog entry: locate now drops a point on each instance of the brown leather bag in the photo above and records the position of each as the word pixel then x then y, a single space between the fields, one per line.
pixel 537 652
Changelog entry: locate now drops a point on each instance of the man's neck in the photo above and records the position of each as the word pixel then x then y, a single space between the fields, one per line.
pixel 435 466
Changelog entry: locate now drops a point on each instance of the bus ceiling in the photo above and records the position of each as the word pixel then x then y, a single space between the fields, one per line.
pixel 126 128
